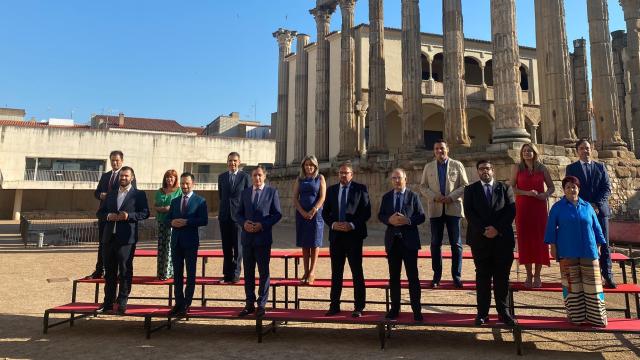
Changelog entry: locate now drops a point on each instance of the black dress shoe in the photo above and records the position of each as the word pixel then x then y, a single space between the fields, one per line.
pixel 356 313
pixel 417 317
pixel 105 309
pixel 95 275
pixel 178 311
pixel 392 314
pixel 609 283
pixel 507 319
pixel 260 312
pixel 332 312
pixel 481 320
pixel 122 309
pixel 246 311
pixel 457 283
pixel 434 284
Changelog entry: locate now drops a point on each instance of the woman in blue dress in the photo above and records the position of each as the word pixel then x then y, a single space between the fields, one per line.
pixel 308 196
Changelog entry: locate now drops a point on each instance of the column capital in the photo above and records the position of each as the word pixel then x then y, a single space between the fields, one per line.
pixel 285 37
pixel 347 5
pixel 323 13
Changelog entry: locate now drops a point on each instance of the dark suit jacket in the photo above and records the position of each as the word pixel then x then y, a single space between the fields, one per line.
pixel 480 214
pixel 596 191
pixel 358 210
pixel 103 184
pixel 196 216
pixel 267 213
pixel 134 204
pixel 411 208
pixel 230 195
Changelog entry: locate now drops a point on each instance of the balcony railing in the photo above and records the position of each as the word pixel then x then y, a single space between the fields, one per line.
pixel 62 175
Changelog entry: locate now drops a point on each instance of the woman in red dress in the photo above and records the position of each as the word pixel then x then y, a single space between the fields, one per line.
pixel 528 179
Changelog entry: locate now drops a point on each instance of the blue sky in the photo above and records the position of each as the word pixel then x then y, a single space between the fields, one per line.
pixel 190 60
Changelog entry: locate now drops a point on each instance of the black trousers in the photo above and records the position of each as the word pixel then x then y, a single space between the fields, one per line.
pixel 341 249
pixel 493 264
pixel 99 261
pixel 118 265
pixel 231 250
pixel 259 255
pixel 184 254
pixel 396 255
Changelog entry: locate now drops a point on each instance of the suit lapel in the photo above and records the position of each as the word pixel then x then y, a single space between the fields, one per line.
pixel 126 198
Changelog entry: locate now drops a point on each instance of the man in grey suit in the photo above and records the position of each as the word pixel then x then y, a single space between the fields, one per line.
pixel 230 186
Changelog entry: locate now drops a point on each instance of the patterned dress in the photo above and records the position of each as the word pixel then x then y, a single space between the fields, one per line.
pixel 531 220
pixel 309 232
pixel 165 266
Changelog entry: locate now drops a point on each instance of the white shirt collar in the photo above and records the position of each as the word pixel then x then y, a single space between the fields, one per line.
pixel 125 190
pixel 586 162
pixel 233 172
pixel 404 189
pixel 261 187
pixel 189 194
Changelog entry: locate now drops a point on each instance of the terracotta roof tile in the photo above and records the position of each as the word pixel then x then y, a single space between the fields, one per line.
pixel 135 123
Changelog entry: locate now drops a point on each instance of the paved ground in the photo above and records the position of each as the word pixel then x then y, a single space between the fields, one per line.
pixel 35 279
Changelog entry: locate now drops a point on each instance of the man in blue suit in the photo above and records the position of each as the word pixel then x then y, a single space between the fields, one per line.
pixel 121 210
pixel 258 211
pixel 108 181
pixel 346 211
pixel 230 185
pixel 187 213
pixel 595 189
pixel 402 212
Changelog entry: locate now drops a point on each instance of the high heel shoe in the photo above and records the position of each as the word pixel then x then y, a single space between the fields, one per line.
pixel 528 283
pixel 304 278
pixel 310 279
pixel 537 282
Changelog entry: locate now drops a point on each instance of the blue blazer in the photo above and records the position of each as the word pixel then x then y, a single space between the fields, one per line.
pixel 597 190
pixel 134 204
pixel 411 208
pixel 267 213
pixel 358 210
pixel 196 216
pixel 230 195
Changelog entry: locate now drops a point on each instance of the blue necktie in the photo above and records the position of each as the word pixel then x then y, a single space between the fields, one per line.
pixel 232 179
pixel 398 207
pixel 488 192
pixel 343 205
pixel 587 171
pixel 256 197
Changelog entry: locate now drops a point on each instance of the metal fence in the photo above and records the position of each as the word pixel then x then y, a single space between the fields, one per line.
pixel 70 232
pixel 61 175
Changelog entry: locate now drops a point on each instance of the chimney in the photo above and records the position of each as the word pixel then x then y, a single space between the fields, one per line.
pixel 121 120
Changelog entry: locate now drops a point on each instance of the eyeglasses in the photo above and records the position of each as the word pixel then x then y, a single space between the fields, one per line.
pixel 344 172
pixel 485 168
pixel 397 178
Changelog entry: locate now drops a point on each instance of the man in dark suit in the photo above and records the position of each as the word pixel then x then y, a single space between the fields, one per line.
pixel 346 211
pixel 187 213
pixel 230 185
pixel 258 212
pixel 108 181
pixel 402 212
pixel 595 189
pixel 122 208
pixel 490 209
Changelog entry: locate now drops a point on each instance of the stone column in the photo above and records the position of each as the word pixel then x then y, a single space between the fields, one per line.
pixel 557 109
pixel 509 122
pixel 361 115
pixel 302 83
pixel 284 38
pixel 322 15
pixel 632 18
pixel 348 136
pixel 618 44
pixel 412 122
pixel 605 100
pixel 581 89
pixel 377 78
pixel 455 99
pixel 17 204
